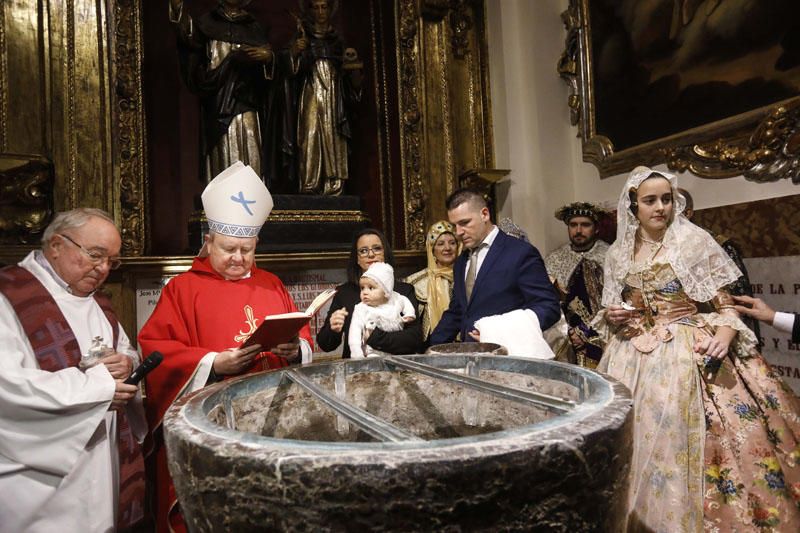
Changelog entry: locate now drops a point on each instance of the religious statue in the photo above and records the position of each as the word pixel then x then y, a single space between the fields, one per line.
pixel 226 59
pixel 325 84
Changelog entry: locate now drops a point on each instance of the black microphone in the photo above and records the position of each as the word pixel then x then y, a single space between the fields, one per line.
pixel 152 361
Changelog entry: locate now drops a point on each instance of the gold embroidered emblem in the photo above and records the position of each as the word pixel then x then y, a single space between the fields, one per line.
pixel 252 323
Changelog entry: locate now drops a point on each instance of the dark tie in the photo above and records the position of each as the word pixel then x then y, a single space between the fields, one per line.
pixel 473 269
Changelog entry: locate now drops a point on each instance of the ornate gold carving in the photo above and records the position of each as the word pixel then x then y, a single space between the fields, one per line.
pixel 26 198
pixel 481 79
pixel 279 215
pixel 444 104
pixel 771 153
pixel 761 144
pixel 461 24
pixel 69 126
pixel 381 110
pixel 54 94
pixel 410 124
pixel 569 61
pixel 575 69
pixel 129 146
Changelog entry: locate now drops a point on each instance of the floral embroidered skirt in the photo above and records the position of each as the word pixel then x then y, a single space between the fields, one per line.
pixel 715 444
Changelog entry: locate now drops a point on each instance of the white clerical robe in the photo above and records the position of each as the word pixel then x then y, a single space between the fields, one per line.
pixel 58 441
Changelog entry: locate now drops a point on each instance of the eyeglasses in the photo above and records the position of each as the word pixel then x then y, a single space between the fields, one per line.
pixel 95 258
pixel 364 252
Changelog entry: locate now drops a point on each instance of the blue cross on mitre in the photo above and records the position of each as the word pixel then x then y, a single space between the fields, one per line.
pixel 241 200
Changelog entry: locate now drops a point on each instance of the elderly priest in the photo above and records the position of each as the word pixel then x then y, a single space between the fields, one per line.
pixel 205 314
pixel 69 432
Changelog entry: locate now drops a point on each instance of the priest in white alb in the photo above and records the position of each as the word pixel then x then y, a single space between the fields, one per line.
pixel 69 436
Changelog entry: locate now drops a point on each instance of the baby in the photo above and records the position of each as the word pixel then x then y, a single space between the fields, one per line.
pixel 380 307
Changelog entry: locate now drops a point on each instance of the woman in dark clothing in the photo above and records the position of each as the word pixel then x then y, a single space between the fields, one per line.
pixel 369 246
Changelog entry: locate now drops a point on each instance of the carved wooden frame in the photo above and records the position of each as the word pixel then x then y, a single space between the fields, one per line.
pixel 444 104
pixel 762 145
pixel 410 116
pixel 129 149
pixel 89 85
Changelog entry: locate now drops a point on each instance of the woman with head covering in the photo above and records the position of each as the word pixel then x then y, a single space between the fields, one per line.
pixel 434 285
pixel 715 432
pixel 369 246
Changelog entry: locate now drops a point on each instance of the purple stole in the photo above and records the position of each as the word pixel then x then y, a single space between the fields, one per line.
pixel 56 348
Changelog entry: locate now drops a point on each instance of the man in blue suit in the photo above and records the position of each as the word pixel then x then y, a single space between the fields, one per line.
pixel 495 273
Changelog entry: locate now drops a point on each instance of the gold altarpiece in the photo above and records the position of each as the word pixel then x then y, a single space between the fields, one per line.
pixel 74 132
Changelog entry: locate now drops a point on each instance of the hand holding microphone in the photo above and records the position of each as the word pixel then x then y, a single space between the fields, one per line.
pixel 152 361
pixel 126 390
pixel 123 393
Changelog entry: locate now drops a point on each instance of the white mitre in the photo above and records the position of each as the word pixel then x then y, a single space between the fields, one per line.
pixel 236 202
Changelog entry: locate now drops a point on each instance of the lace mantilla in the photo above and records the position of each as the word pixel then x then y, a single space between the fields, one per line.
pixel 701 265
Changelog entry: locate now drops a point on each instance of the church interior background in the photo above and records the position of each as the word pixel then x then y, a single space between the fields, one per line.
pixel 93 113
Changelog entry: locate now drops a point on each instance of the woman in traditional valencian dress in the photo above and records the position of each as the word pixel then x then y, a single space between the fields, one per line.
pixel 715 432
pixel 434 285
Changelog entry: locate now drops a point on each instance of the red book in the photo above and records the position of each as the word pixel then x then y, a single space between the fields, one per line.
pixel 278 329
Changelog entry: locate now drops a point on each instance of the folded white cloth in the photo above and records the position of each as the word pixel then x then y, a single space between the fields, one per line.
pixel 518 331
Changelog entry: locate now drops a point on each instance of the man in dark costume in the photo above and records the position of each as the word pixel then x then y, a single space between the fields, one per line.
pixel 576 270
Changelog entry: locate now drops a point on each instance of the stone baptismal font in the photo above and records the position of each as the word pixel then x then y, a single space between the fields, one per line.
pixel 420 442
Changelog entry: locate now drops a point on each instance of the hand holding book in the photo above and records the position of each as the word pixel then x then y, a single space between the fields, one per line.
pixel 289 350
pixel 235 360
pixel 280 329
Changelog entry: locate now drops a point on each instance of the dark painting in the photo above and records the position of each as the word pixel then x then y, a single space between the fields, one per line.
pixel 662 67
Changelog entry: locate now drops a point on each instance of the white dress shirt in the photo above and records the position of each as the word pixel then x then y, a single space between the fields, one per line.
pixel 783 322
pixel 482 252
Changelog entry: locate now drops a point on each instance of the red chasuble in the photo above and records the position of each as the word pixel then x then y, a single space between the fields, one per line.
pixel 200 312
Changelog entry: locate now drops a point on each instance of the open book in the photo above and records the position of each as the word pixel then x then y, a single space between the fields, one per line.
pixel 277 329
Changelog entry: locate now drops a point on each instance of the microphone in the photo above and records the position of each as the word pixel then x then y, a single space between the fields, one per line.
pixel 152 361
